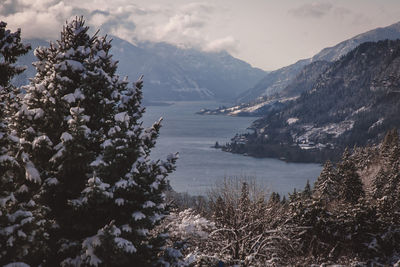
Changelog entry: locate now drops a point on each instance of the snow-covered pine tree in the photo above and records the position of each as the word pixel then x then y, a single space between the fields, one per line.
pixel 22 233
pixel 351 186
pixel 10 49
pixel 326 187
pixel 126 194
pixel 83 137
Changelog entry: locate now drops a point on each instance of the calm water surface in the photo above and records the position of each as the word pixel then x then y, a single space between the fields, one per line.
pixel 201 167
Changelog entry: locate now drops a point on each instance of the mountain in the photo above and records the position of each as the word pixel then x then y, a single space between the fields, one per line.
pixel 273 82
pixel 276 81
pixel 303 81
pixel 355 101
pixel 334 53
pixel 172 73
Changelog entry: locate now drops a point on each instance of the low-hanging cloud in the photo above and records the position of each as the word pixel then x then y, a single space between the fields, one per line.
pixel 183 26
pixel 227 43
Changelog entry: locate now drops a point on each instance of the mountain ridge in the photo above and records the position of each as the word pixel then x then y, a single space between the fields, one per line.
pixel 171 73
pixel 355 101
pixel 276 81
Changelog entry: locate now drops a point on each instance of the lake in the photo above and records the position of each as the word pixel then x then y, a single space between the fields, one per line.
pixel 200 167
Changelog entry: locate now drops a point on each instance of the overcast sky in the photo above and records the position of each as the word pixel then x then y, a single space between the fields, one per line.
pixel 266 33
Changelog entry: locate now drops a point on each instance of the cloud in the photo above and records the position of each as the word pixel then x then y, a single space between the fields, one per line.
pixel 227 43
pixel 182 25
pixel 312 10
pixel 8 7
pixel 38 19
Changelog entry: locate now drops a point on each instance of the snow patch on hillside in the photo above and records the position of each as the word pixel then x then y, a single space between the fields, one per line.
pixel 292 120
pixel 332 129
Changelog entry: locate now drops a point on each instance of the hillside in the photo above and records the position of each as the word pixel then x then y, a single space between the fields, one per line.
pixel 171 73
pixel 276 81
pixel 303 81
pixel 354 102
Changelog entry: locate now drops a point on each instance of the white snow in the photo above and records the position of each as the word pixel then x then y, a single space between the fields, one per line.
pixel 362 109
pixel 99 161
pixel 16 264
pixel 122 117
pixel 335 129
pixel 138 215
pixel 86 130
pixel 19 213
pixel 125 245
pixel 106 143
pixel 70 98
pixel 89 244
pixel 292 120
pixel 39 141
pixel 37 113
pixel 375 124
pixel 142 231
pixel 4 158
pixel 78 94
pixel 51 181
pixel 76 110
pixel 65 137
pixel 58 154
pixel 114 130
pixel 155 185
pixel 148 204
pixel 119 201
pixel 126 228
pixel 22 189
pixel 31 173
pixel 75 65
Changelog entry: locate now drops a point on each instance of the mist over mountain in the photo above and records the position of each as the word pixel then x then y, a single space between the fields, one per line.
pixel 172 73
pixel 276 81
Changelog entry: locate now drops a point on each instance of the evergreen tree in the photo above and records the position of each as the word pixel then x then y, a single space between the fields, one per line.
pixel 307 190
pixel 83 135
pixel 351 184
pixel 274 198
pixel 22 233
pixel 326 186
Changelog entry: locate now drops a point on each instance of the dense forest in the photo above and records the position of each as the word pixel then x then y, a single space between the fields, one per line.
pixel 78 188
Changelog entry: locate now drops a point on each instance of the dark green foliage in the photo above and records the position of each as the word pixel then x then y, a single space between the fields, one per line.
pixel 307 190
pixel 11 48
pixel 327 187
pixel 351 187
pixel 22 233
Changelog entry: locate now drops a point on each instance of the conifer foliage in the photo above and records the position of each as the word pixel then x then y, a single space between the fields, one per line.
pixel 22 234
pixel 84 146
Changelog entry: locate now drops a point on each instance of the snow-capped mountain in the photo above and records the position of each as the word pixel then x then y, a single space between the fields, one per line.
pixel 171 73
pixel 276 81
